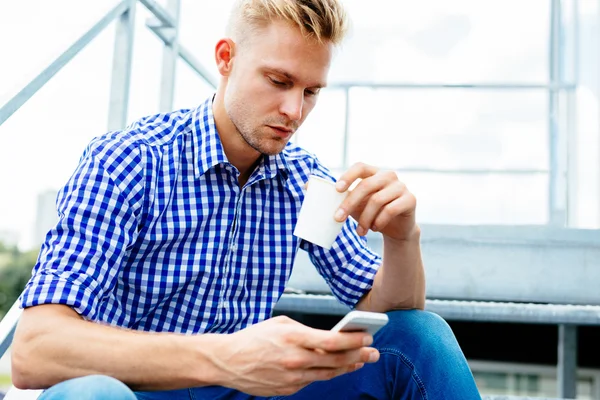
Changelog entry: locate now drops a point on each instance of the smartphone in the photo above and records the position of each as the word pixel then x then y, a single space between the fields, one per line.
pixel 361 321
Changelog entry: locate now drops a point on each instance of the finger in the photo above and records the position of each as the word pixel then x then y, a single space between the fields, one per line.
pixel 332 341
pixel 361 193
pixel 378 202
pixel 405 205
pixel 343 359
pixel 358 170
pixel 358 366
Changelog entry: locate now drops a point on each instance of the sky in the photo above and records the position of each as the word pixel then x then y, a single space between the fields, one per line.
pixel 463 41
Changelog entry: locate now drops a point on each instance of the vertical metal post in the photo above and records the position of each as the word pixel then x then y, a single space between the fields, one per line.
pixel 346 128
pixel 556 214
pixel 572 131
pixel 121 73
pixel 169 61
pixel 576 44
pixel 598 91
pixel 567 361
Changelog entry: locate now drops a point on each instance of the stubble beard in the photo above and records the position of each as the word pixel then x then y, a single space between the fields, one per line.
pixel 260 143
pixel 259 140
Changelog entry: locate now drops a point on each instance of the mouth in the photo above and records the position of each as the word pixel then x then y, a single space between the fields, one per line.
pixel 282 131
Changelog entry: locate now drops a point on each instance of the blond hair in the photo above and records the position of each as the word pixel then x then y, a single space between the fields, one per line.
pixel 319 20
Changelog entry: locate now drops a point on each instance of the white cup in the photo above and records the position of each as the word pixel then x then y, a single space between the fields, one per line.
pixel 316 222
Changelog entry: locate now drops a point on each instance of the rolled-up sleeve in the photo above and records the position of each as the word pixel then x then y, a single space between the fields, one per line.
pixel 349 267
pixel 80 259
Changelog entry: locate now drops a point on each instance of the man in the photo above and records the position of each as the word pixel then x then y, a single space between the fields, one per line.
pixel 175 242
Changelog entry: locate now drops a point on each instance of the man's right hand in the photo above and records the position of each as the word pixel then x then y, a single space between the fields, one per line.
pixel 281 356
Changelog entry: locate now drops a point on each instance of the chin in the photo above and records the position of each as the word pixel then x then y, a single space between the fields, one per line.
pixel 271 149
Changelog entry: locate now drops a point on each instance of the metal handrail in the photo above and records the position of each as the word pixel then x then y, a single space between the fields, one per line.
pixel 31 88
pixel 159 12
pixel 185 55
pixel 40 80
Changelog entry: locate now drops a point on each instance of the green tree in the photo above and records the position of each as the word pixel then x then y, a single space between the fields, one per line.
pixel 14 274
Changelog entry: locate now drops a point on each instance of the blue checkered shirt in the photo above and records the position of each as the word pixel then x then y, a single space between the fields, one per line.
pixel 156 234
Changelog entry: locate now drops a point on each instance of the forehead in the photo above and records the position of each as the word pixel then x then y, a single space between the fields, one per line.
pixel 283 47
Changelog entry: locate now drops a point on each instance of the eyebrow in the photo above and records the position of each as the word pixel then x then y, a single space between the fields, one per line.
pixel 291 77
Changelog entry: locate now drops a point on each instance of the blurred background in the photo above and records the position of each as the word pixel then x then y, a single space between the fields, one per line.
pixel 488 110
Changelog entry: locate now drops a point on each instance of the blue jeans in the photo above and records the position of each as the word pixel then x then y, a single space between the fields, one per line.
pixel 420 359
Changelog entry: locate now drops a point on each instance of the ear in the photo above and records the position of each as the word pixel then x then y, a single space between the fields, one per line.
pixel 224 53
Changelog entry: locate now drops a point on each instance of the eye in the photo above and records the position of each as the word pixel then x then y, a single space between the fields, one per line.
pixel 276 82
pixel 309 92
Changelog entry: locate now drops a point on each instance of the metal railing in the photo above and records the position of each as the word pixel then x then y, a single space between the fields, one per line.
pixel 124 13
pixel 557 213
pixel 561 161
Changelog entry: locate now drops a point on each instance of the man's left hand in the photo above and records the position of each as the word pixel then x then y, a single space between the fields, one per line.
pixel 379 202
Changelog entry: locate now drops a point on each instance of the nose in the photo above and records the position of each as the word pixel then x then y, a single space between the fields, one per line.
pixel 292 105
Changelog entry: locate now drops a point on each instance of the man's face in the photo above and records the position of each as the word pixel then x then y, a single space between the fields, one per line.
pixel 274 84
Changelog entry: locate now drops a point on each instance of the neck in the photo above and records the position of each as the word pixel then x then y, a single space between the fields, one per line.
pixel 238 152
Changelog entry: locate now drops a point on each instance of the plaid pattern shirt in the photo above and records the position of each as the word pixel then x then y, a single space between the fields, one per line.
pixel 156 234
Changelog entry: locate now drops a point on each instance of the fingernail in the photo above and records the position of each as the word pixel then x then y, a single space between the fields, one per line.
pixel 367 340
pixel 361 231
pixel 340 185
pixel 340 215
pixel 373 357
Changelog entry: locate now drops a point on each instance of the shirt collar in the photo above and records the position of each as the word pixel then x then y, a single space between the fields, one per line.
pixel 207 144
pixel 209 149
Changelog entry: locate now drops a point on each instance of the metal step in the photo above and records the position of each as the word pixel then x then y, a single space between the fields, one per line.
pixel 460 310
